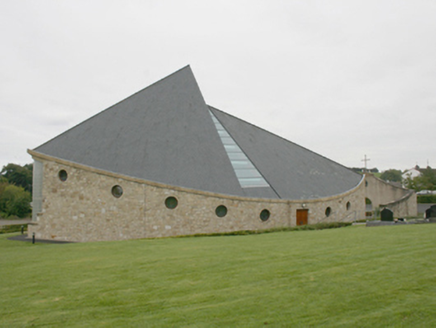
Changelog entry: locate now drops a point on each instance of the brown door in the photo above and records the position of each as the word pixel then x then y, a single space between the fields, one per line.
pixel 302 216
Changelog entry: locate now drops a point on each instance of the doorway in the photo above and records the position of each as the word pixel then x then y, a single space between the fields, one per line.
pixel 302 217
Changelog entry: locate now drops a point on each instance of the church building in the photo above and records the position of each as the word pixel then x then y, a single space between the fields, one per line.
pixel 164 163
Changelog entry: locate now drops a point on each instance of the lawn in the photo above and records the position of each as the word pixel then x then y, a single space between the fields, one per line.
pixel 347 277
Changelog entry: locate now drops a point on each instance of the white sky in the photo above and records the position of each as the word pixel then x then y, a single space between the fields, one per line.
pixel 341 78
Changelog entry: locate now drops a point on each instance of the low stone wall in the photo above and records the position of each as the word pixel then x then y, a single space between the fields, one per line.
pixel 406 206
pixel 82 208
pixel 423 207
pixel 383 194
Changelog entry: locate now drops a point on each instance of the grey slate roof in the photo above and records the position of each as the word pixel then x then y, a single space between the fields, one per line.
pixel 164 133
pixel 293 171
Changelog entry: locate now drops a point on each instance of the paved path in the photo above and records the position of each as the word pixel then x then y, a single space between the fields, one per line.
pixel 10 222
pixel 44 241
pixel 423 207
pixel 25 237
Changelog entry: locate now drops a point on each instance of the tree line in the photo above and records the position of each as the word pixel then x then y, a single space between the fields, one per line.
pixel 425 181
pixel 16 191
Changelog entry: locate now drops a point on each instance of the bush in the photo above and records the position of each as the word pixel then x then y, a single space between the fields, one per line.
pixel 318 226
pixel 426 199
pixel 12 228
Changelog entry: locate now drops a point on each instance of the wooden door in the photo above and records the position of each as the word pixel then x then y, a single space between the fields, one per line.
pixel 302 217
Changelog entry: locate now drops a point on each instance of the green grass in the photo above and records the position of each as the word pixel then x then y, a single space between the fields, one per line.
pixel 348 277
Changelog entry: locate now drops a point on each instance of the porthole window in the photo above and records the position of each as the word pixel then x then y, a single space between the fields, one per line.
pixel 171 202
pixel 264 215
pixel 348 206
pixel 221 211
pixel 328 211
pixel 63 175
pixel 117 191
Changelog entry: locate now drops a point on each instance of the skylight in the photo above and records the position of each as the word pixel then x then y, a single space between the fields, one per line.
pixel 247 174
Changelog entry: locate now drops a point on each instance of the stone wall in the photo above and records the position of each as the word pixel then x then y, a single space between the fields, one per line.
pixel 82 208
pixel 383 194
pixel 406 206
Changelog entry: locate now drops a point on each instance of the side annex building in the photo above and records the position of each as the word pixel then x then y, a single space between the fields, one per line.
pixel 163 163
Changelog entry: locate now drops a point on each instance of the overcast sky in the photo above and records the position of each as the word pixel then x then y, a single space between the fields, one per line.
pixel 341 78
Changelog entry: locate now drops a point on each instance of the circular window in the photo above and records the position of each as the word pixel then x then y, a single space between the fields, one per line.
pixel 221 211
pixel 348 206
pixel 63 175
pixel 264 215
pixel 171 202
pixel 328 211
pixel 117 191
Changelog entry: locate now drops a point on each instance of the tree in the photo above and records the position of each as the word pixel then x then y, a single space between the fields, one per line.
pixel 15 201
pixel 3 185
pixel 410 183
pixel 426 181
pixel 357 170
pixel 362 170
pixel 391 175
pixel 429 176
pixel 18 175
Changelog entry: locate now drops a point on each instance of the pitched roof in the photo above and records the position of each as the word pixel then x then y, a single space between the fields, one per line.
pixel 165 133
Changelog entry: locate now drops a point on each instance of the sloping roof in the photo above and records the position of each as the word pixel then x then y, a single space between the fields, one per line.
pixel 293 171
pixel 165 133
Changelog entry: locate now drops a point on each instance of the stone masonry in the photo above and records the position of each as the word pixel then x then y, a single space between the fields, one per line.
pixel 82 208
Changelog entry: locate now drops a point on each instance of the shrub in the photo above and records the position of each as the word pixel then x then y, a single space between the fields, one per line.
pixel 318 226
pixel 426 199
pixel 12 228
